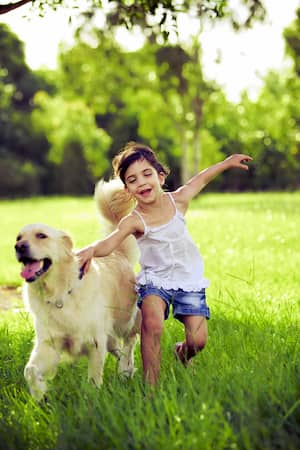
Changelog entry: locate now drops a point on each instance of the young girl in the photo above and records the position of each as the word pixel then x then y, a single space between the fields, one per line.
pixel 172 270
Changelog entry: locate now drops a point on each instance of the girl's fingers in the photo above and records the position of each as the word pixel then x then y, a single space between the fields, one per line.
pixel 86 266
pixel 244 161
pixel 246 158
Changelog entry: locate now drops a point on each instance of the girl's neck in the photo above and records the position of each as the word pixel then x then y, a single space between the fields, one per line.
pixel 156 205
pixel 158 213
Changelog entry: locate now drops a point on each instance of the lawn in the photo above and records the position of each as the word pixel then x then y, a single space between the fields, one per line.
pixel 242 391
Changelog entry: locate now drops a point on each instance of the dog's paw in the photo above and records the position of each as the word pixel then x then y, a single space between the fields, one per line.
pixel 127 372
pixel 36 382
pixel 37 393
pixel 95 380
pixel 126 375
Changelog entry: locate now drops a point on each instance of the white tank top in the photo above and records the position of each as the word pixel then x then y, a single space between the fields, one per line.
pixel 169 257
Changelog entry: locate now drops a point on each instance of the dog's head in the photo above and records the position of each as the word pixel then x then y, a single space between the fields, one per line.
pixel 38 247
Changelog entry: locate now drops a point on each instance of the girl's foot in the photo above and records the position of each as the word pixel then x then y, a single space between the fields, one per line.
pixel 180 355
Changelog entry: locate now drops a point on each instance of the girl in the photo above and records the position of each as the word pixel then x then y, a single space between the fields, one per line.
pixel 172 270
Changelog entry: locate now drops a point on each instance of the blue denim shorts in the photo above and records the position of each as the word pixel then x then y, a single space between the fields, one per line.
pixel 183 303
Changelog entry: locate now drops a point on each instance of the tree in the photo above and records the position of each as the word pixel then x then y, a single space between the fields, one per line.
pixel 292 38
pixel 276 136
pixel 156 94
pixel 15 71
pixel 170 103
pixel 103 77
pixel 266 128
pixel 164 12
pixel 22 151
pixel 78 146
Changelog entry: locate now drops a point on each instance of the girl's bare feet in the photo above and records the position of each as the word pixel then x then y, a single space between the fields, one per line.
pixel 179 354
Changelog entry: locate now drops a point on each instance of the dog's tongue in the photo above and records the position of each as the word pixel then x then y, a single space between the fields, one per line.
pixel 30 269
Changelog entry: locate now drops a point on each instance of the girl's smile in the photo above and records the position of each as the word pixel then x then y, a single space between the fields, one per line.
pixel 143 181
pixel 145 192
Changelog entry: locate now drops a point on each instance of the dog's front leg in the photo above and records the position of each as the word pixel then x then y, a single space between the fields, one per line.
pixel 126 361
pixel 42 364
pixel 96 361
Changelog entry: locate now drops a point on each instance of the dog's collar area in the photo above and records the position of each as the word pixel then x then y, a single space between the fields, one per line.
pixel 59 303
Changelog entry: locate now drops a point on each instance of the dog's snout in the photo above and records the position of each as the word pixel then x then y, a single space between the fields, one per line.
pixel 22 247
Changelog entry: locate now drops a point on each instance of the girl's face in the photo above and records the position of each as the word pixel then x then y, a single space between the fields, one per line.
pixel 143 182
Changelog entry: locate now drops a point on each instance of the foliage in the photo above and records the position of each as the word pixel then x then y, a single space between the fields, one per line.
pixel 63 127
pixel 275 137
pixel 71 124
pixel 22 151
pixel 242 390
pixel 158 15
pixel 272 139
pixel 161 85
pixel 292 38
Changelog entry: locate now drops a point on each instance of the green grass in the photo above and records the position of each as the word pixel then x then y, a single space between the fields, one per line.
pixel 243 389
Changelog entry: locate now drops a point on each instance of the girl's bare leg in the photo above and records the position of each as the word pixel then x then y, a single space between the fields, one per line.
pixel 195 338
pixel 153 309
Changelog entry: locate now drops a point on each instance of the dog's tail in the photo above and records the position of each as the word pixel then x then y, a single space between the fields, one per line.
pixel 114 203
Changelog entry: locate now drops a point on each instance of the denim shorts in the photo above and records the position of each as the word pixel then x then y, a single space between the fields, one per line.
pixel 183 303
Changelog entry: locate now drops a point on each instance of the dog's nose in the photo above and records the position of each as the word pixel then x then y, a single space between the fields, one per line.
pixel 22 247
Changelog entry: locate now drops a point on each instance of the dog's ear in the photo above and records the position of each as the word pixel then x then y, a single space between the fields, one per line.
pixel 67 241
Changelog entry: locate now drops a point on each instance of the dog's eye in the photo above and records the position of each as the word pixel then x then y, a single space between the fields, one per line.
pixel 41 236
pixel 19 237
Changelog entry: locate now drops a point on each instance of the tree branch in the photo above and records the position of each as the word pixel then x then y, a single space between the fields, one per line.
pixel 11 6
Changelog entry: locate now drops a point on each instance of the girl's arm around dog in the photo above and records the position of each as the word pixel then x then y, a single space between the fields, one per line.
pixel 104 247
pixel 192 187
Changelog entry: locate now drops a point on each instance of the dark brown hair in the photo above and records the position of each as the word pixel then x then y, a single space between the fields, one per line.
pixel 132 152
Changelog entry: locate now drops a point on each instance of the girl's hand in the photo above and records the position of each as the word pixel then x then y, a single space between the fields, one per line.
pixel 85 257
pixel 238 160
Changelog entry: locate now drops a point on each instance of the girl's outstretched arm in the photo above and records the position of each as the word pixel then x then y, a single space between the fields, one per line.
pixel 192 187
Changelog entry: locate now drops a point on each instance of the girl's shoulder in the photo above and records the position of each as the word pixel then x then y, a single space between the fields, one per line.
pixel 180 200
pixel 132 222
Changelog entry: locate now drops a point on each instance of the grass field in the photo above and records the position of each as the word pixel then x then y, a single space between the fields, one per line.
pixel 243 390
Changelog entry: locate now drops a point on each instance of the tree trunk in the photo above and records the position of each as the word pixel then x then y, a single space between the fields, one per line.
pixel 197 150
pixel 198 112
pixel 185 170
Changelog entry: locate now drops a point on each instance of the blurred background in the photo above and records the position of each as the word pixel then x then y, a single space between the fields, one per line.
pixel 196 80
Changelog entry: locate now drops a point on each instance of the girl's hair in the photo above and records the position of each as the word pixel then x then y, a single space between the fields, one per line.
pixel 132 152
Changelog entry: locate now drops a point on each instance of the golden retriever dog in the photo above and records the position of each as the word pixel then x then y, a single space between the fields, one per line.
pixel 79 315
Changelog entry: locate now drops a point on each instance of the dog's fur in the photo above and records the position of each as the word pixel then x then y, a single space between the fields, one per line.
pixel 87 315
